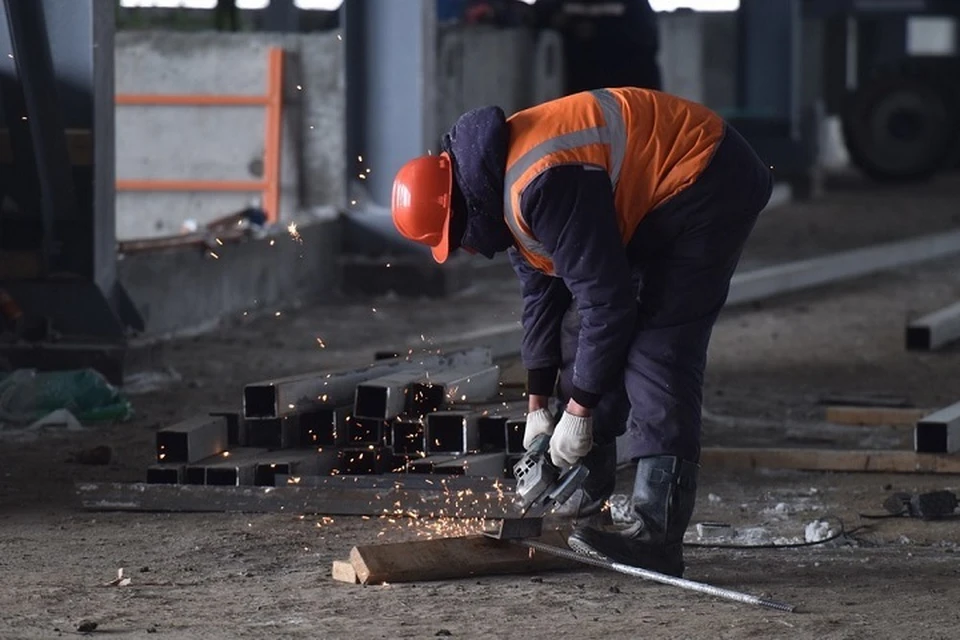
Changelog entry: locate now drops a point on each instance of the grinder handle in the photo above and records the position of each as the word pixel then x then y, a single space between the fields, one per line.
pixel 539 445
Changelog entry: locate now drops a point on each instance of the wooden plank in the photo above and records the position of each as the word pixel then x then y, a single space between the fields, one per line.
pixel 881 461
pixel 344 500
pixel 451 558
pixel 874 416
pixel 342 571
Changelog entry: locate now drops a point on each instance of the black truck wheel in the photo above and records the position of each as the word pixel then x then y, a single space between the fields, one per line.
pixel 902 124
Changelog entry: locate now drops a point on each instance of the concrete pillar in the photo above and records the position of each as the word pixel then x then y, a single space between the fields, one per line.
pixel 770 46
pixel 390 77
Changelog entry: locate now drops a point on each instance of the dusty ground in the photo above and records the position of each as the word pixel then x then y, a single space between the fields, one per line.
pixel 255 576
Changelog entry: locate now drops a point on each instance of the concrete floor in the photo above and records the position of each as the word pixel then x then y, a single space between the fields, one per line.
pixel 236 576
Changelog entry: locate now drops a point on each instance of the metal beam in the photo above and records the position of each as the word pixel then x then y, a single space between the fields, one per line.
pixel 407 436
pixel 489 465
pixel 492 433
pixel 284 396
pixel 934 330
pixel 192 439
pixel 938 432
pixel 229 469
pixel 795 276
pixel 340 500
pixel 452 432
pixel 43 118
pixel 452 388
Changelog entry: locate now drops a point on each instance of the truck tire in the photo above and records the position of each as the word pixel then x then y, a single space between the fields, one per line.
pixel 903 123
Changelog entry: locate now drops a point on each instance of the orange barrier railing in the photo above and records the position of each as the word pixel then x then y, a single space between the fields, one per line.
pixel 273 101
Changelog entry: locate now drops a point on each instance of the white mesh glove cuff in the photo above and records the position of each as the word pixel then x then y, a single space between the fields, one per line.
pixel 539 421
pixel 571 440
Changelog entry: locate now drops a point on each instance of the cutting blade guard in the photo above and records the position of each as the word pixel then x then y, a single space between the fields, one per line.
pixel 540 484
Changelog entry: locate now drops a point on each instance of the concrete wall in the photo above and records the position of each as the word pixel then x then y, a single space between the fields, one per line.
pixel 184 290
pixel 225 143
pixel 510 68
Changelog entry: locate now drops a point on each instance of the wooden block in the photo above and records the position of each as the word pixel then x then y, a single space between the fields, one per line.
pixel 874 416
pixel 343 572
pixel 882 461
pixel 450 558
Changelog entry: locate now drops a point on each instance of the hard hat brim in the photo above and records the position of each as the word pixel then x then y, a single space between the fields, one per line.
pixel 441 252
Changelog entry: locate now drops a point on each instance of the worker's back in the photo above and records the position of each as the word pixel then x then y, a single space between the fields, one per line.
pixel 669 141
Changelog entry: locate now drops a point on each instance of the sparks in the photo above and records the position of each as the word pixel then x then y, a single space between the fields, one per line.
pixel 219 241
pixel 320 342
pixel 292 230
pixel 214 256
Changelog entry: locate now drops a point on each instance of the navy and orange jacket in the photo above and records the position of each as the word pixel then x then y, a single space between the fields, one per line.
pixel 573 178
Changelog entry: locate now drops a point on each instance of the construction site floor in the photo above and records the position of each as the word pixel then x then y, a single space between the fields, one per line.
pixel 256 576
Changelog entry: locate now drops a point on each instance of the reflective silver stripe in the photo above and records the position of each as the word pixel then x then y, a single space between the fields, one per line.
pixel 612 133
pixel 616 131
pixel 529 243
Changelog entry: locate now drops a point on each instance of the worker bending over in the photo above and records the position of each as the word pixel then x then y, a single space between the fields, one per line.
pixel 624 212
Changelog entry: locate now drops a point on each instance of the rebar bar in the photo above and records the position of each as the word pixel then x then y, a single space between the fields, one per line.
pixel 653 576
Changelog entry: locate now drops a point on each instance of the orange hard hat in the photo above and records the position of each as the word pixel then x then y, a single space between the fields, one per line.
pixel 420 204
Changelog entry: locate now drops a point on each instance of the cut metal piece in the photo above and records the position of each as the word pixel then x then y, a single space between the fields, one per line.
pixel 516 529
pixel 429 463
pixel 293 465
pixel 938 432
pixel 236 429
pixel 934 330
pixel 385 397
pixel 515 429
pixel 283 396
pixel 406 481
pixel 324 426
pixel 481 464
pixel 408 436
pixel 492 433
pixel 363 431
pixel 165 474
pixel 230 469
pixel 364 461
pixel 452 432
pixel 192 440
pixel 333 500
pixel 274 433
pixel 453 387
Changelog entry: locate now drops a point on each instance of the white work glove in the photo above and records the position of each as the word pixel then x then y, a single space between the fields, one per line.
pixel 539 421
pixel 571 440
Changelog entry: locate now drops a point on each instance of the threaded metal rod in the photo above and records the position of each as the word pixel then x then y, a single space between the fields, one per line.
pixel 653 576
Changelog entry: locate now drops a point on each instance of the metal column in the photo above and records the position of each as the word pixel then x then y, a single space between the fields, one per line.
pixel 770 113
pixel 56 76
pixel 390 58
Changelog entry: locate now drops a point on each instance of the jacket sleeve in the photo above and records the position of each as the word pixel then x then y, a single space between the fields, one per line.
pixel 571 211
pixel 545 300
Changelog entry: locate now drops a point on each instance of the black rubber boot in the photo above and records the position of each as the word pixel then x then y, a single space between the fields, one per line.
pixel 664 495
pixel 586 505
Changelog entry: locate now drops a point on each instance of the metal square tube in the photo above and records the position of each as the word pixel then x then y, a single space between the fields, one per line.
pixel 454 387
pixel 192 439
pixel 938 432
pixel 452 432
pixel 282 396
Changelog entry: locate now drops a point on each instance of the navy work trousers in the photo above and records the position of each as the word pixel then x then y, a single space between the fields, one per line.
pixel 684 254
